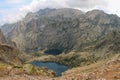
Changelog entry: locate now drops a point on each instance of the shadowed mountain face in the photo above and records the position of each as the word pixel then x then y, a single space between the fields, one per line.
pixel 64 29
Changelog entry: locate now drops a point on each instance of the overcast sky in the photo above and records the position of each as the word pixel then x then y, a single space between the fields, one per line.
pixel 13 10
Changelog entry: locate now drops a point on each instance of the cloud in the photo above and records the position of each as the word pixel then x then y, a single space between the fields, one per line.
pixel 35 5
pixel 10 10
pixel 18 12
pixel 22 7
pixel 114 7
pixel 13 1
pixel 86 3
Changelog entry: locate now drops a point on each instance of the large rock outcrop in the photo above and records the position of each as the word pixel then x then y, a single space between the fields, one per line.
pixel 8 54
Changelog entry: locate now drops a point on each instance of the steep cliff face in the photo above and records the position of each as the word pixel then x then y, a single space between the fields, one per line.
pixel 63 29
pixel 8 54
pixel 2 38
pixel 109 42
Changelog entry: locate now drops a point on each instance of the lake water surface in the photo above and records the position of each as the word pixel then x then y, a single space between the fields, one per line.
pixel 58 68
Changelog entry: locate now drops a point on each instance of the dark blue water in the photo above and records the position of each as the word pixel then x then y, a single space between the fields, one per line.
pixel 53 52
pixel 58 68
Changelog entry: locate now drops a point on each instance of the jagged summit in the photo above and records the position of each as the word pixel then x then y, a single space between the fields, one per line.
pixel 45 11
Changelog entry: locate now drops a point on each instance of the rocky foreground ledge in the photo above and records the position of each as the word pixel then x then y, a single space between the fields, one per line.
pixel 107 71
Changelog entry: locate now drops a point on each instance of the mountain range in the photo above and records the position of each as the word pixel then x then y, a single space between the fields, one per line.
pixel 64 29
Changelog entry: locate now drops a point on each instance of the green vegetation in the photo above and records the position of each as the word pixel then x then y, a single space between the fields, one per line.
pixel 32 70
pixel 75 58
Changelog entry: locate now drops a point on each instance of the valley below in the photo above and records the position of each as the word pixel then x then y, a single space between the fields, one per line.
pixel 108 70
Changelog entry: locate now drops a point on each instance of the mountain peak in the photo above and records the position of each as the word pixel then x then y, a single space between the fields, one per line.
pixel 45 11
pixel 95 12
